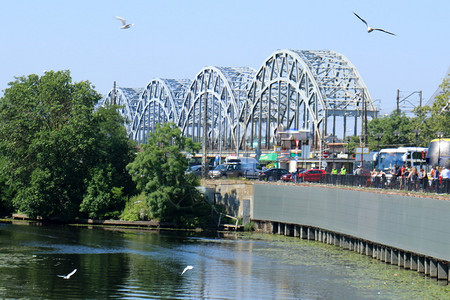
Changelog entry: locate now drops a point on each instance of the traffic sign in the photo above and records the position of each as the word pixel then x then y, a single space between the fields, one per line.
pixel 325 154
pixel 364 150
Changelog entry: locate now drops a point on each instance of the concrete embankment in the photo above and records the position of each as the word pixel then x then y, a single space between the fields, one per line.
pixel 410 231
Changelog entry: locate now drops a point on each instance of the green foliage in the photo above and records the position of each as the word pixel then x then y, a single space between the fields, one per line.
pixel 395 130
pixel 159 173
pixel 101 196
pixel 250 226
pixel 6 192
pixel 136 209
pixel 54 144
pixel 399 130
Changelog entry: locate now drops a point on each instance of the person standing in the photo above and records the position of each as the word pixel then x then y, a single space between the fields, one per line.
pixel 423 180
pixel 446 179
pixel 334 173
pixel 394 174
pixel 436 179
pixel 343 174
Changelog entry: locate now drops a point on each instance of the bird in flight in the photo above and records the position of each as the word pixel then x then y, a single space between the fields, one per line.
pixel 68 275
pixel 187 268
pixel 370 29
pixel 124 23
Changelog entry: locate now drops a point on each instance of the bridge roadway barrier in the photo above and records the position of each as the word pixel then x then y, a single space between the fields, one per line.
pixel 410 231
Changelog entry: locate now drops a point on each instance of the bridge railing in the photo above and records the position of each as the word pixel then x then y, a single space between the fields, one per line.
pixel 441 186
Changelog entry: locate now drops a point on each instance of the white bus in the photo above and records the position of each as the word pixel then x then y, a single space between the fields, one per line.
pixel 385 159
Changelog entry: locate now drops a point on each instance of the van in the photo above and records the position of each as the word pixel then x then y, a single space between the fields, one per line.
pixel 247 167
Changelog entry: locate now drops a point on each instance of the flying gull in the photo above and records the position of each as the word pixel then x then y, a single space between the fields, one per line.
pixel 124 23
pixel 68 275
pixel 187 268
pixel 370 29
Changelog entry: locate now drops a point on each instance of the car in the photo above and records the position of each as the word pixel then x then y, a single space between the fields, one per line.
pixel 196 170
pixel 218 171
pixel 273 174
pixel 251 173
pixel 288 177
pixel 311 175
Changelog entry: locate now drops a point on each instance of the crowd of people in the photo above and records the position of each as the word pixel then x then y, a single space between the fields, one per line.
pixel 413 179
pixel 399 177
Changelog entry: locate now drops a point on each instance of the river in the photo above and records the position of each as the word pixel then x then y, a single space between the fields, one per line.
pixel 138 264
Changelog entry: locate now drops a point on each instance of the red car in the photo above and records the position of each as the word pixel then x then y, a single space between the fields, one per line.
pixel 288 177
pixel 313 175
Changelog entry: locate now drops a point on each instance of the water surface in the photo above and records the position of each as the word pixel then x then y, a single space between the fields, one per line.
pixel 132 264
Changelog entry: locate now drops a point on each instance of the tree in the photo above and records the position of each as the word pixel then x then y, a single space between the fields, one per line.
pixel 395 128
pixel 54 144
pixel 399 130
pixel 159 172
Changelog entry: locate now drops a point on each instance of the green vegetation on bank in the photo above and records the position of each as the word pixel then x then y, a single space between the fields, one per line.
pixel 60 158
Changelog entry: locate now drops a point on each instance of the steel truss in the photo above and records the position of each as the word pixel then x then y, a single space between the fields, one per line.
pixel 223 91
pixel 244 109
pixel 127 99
pixel 300 90
pixel 160 102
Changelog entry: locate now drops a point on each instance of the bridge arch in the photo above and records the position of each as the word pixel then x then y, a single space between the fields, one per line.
pixel 127 100
pixel 224 91
pixel 159 102
pixel 301 90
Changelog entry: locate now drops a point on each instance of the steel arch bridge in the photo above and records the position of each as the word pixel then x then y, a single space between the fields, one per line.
pixel 160 102
pixel 217 93
pixel 243 109
pixel 300 90
pixel 127 99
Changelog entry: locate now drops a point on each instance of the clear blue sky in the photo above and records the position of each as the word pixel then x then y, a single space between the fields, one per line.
pixel 177 38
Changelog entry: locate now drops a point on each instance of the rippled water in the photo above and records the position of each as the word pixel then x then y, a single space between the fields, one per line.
pixel 135 264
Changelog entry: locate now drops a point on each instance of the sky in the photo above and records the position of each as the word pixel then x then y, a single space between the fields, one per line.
pixel 177 38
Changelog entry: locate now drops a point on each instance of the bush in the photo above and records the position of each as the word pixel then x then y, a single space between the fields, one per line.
pixel 136 209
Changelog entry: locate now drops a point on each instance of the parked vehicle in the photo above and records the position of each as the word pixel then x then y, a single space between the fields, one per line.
pixel 236 167
pixel 273 174
pixel 251 173
pixel 288 177
pixel 196 170
pixel 218 171
pixel 311 175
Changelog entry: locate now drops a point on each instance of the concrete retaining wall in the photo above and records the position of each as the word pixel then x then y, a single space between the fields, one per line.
pixel 411 232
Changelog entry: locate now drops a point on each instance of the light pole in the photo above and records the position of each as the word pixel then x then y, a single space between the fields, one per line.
pixel 417 132
pixel 397 134
pixel 379 136
pixel 205 134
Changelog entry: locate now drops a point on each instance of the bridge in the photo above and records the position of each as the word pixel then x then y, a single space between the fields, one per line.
pixel 242 109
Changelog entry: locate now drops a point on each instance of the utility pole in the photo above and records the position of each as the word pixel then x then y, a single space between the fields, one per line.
pixel 114 94
pixel 205 132
pixel 398 100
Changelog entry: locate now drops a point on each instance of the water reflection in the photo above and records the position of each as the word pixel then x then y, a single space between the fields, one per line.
pixel 142 264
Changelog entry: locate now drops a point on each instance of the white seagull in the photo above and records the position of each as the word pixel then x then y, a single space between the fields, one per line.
pixel 370 29
pixel 68 275
pixel 124 23
pixel 187 268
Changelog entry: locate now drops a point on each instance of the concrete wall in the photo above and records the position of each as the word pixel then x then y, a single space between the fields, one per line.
pixel 413 224
pixel 235 195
